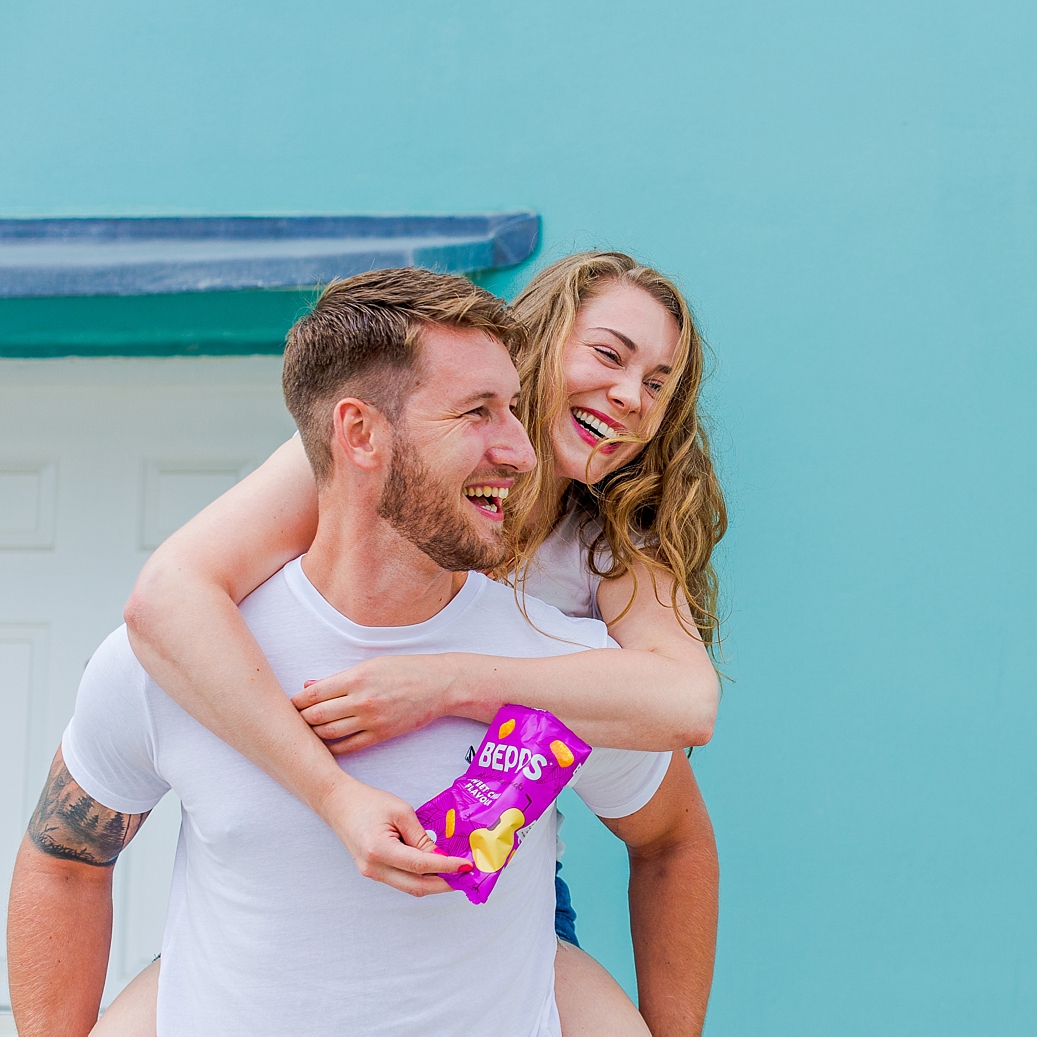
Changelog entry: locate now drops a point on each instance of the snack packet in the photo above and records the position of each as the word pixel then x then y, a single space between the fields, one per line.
pixel 527 757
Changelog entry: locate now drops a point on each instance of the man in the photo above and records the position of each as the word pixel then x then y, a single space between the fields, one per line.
pixel 402 387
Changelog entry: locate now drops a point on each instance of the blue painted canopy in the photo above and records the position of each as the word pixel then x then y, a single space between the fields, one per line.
pixel 165 255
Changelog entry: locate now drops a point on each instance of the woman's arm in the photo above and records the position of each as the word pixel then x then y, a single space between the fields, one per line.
pixel 659 693
pixel 187 632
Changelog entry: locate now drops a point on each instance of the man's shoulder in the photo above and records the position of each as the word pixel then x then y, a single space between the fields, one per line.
pixel 529 617
pixel 115 659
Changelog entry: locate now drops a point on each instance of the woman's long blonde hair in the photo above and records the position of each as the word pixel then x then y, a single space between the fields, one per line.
pixel 665 507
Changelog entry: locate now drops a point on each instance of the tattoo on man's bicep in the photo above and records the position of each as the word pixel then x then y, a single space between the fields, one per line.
pixel 71 825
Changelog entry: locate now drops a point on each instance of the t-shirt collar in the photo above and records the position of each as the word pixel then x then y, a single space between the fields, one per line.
pixel 313 600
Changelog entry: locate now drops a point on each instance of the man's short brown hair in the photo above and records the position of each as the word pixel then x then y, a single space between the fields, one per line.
pixel 362 339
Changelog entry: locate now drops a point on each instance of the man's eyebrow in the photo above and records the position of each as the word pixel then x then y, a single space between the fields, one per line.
pixel 479 396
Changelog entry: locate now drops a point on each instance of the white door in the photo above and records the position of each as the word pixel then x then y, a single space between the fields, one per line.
pixel 99 461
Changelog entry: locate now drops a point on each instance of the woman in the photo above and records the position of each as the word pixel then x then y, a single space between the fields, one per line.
pixel 618 521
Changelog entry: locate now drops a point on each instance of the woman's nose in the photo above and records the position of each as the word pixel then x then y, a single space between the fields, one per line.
pixel 625 393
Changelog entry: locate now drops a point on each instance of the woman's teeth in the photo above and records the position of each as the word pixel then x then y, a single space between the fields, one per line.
pixel 595 425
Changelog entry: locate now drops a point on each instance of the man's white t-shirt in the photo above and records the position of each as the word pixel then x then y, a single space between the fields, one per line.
pixel 271 930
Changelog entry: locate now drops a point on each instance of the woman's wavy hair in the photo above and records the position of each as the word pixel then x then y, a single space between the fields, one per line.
pixel 664 508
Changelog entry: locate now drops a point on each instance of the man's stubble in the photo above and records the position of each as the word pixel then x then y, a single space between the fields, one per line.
pixel 431 516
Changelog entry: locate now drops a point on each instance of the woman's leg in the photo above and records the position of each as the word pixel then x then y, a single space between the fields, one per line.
pixel 590 1002
pixel 132 1013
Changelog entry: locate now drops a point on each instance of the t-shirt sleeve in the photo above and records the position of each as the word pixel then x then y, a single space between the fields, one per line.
pixel 619 782
pixel 108 745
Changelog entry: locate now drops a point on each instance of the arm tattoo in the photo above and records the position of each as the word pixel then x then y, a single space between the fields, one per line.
pixel 70 825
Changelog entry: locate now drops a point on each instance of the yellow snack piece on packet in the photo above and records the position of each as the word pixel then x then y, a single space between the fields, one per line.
pixel 451 819
pixel 492 846
pixel 505 729
pixel 562 753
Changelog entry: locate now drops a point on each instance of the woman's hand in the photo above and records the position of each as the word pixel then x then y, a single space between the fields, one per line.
pixel 386 840
pixel 378 699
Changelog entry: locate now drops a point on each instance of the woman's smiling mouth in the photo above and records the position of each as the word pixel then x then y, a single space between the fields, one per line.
pixel 591 429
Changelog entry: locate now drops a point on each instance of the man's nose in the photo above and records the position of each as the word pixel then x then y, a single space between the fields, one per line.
pixel 513 448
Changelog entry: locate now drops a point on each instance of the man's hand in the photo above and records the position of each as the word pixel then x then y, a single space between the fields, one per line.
pixel 386 840
pixel 673 902
pixel 377 700
pixel 60 917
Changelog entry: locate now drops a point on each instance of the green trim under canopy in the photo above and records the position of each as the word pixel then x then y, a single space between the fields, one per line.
pixel 186 324
pixel 213 285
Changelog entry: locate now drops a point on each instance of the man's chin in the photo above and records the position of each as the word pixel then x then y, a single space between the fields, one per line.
pixel 463 548
pixel 485 553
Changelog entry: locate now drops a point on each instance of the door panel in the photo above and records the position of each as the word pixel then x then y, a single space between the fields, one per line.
pixel 100 459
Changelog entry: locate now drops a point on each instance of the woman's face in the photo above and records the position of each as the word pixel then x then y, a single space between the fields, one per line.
pixel 615 362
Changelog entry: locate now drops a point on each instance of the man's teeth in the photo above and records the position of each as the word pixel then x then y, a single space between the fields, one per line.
pixel 595 424
pixel 500 492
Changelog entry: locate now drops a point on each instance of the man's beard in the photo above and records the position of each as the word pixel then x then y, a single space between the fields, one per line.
pixel 430 517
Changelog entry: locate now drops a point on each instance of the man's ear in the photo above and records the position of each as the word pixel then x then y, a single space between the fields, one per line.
pixel 360 435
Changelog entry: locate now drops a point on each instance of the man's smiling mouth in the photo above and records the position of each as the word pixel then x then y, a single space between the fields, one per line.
pixel 488 499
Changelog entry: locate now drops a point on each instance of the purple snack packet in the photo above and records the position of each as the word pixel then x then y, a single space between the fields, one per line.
pixel 527 757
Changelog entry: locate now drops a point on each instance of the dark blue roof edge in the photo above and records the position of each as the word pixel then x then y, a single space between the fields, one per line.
pixel 513 226
pixel 449 243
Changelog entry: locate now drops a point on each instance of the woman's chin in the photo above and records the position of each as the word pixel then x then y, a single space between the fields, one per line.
pixel 576 471
pixel 572 463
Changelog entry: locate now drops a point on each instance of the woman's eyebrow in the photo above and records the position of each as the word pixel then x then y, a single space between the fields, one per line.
pixel 629 343
pixel 632 346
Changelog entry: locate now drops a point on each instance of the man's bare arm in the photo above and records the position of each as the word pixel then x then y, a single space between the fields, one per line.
pixel 72 826
pixel 60 918
pixel 674 879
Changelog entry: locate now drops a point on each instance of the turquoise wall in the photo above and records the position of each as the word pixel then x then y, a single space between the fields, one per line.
pixel 849 193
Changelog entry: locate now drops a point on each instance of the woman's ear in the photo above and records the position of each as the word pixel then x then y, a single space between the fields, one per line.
pixel 361 436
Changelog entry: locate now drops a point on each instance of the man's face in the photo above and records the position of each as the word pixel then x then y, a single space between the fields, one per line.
pixel 457 450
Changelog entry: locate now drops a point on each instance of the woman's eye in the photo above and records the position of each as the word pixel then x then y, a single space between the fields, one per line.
pixel 654 387
pixel 609 354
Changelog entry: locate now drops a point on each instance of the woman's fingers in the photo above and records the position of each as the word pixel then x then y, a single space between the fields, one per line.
pixel 314 691
pixel 352 744
pixel 415 885
pixel 338 728
pixel 327 712
pixel 401 857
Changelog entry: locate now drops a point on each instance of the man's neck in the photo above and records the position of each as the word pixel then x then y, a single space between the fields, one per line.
pixel 372 575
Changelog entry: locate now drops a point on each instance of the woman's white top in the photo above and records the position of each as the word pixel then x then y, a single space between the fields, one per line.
pixel 559 573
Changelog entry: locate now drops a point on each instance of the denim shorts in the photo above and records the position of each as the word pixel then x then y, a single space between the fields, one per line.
pixel 565 916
